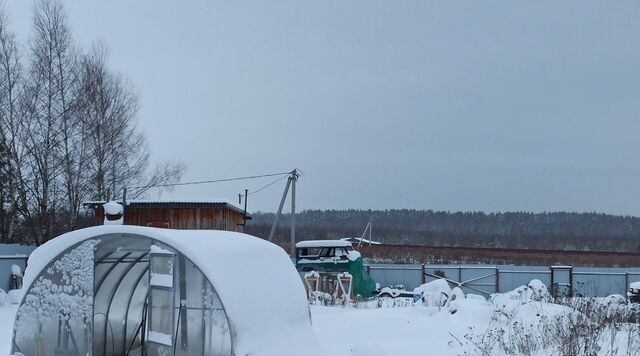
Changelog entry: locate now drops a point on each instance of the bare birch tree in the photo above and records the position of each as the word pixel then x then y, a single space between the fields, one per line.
pixel 120 155
pixel 11 148
pixel 56 136
pixel 67 131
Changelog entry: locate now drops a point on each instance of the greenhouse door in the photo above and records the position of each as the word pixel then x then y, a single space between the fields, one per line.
pixel 161 310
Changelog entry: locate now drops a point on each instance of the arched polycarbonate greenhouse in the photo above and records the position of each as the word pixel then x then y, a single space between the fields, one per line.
pixel 128 290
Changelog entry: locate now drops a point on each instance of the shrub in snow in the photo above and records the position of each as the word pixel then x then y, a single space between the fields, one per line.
pixel 434 293
pixel 456 294
pixel 539 291
pixel 454 299
pixel 528 321
pixel 535 291
pixel 612 300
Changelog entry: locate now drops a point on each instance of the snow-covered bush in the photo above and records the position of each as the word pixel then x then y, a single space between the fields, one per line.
pixel 534 291
pixel 454 299
pixel 527 321
pixel 435 293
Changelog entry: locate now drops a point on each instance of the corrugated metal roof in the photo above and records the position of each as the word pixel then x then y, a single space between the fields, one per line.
pixel 173 201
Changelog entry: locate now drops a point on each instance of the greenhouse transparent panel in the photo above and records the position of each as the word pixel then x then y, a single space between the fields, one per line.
pixel 55 316
pixel 162 302
pixel 162 264
pixel 189 297
pixel 120 289
pixel 161 311
pixel 217 334
pixel 156 349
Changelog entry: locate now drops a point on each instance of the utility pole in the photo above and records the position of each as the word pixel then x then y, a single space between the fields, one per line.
pixel 370 228
pixel 246 197
pixel 294 179
pixel 277 218
pixel 124 203
pixel 291 183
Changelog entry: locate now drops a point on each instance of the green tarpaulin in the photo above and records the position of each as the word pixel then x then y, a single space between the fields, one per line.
pixel 363 284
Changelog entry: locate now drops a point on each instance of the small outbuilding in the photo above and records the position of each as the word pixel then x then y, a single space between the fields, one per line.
pixel 129 290
pixel 216 214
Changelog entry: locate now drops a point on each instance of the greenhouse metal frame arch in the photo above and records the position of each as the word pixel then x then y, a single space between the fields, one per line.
pixel 127 290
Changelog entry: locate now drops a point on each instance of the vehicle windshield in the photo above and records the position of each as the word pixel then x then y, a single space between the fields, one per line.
pixel 308 252
pixel 324 252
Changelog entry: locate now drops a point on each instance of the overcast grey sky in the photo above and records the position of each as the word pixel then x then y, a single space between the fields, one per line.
pixel 476 105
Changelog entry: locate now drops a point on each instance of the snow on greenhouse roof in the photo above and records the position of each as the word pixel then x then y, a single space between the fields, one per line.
pixel 323 243
pixel 258 285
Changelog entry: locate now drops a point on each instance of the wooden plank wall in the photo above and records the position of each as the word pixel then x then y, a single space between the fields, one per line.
pixel 181 218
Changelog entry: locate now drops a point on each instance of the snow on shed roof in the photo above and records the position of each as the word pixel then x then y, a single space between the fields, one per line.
pixel 258 285
pixel 227 202
pixel 323 243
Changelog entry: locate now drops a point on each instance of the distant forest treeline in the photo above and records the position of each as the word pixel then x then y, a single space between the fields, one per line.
pixel 558 230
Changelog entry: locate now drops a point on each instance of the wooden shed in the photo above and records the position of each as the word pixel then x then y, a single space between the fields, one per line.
pixel 174 214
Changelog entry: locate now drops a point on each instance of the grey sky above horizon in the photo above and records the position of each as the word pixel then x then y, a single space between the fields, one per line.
pixel 461 106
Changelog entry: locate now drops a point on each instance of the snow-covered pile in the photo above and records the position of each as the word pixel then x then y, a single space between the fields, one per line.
pixel 525 321
pixel 534 291
pixel 435 293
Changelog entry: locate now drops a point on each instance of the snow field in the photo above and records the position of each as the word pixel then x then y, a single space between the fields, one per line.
pixel 464 325
pixel 525 321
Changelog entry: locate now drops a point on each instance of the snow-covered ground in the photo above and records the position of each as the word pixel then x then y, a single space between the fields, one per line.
pixel 522 322
pixel 525 321
pixel 392 331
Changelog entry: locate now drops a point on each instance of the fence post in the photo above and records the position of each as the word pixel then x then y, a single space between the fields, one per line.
pixel 626 284
pixel 497 279
pixel 571 281
pixel 460 276
pixel 553 288
pixel 423 275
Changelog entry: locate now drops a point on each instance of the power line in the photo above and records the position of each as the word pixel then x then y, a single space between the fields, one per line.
pixel 210 181
pixel 300 174
pixel 268 185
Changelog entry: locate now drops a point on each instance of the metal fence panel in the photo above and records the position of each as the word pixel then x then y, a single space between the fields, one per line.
pixel 488 279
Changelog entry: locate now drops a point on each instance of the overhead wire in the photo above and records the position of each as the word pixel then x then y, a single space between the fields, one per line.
pixel 282 175
pixel 298 171
pixel 267 185
pixel 209 181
